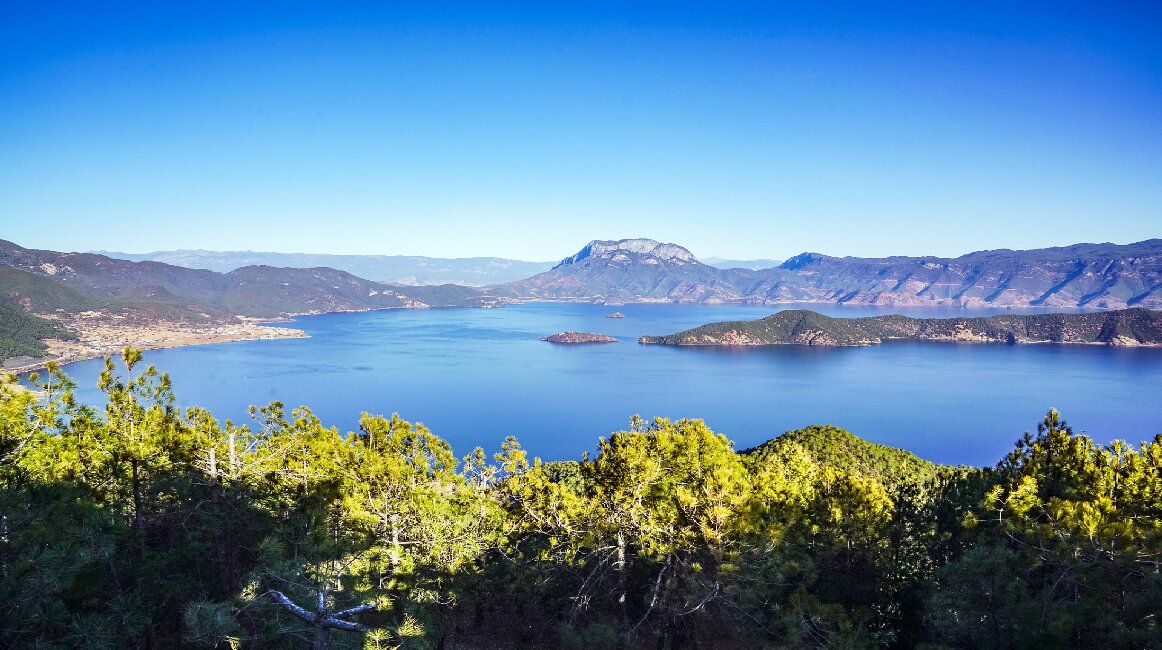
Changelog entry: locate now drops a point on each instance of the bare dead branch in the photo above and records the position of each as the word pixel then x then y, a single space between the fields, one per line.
pixel 348 613
pixel 331 621
pixel 290 606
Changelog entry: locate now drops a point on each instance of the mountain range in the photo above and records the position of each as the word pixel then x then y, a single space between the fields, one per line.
pixel 1087 276
pixel 1093 276
pixel 1082 276
pixel 49 281
pixel 414 270
pixel 397 269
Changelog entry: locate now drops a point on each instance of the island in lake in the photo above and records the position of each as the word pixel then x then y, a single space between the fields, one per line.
pixel 1132 327
pixel 578 337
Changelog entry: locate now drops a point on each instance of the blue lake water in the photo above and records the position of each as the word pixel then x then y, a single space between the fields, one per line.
pixel 476 375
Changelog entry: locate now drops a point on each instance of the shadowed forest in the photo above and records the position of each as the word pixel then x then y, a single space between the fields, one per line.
pixel 142 525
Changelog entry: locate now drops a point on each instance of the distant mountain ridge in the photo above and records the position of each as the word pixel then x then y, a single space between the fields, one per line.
pixel 92 281
pixel 400 269
pixel 1105 276
pixel 1095 276
pixel 1134 326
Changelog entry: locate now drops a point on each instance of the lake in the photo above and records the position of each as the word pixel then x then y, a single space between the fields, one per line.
pixel 476 375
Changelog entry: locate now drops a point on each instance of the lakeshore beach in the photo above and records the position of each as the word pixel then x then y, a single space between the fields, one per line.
pixel 100 336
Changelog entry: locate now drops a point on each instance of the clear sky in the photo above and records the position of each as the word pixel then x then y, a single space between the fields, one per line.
pixel 741 131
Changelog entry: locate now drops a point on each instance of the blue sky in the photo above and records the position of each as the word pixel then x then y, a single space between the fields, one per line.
pixel 524 131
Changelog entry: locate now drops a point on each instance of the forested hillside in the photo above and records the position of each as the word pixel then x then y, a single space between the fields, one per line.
pixel 833 447
pixel 138 525
pixel 38 294
pixel 21 333
pixel 259 291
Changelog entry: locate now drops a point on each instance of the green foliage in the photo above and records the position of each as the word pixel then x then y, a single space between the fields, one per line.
pixel 140 525
pixel 834 447
pixel 43 294
pixel 22 334
pixel 1069 535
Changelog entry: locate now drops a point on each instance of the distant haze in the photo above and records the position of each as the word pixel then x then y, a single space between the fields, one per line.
pixel 753 265
pixel 401 269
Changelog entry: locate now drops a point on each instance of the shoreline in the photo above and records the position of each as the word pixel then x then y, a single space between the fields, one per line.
pixel 100 335
pixel 896 340
pixel 107 338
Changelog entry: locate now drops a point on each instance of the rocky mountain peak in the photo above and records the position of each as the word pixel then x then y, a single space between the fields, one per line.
pixel 801 260
pixel 604 249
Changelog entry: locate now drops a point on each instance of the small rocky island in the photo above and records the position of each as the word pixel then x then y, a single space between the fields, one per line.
pixel 578 337
pixel 1128 327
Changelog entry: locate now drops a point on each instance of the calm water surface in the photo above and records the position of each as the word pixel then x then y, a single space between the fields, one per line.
pixel 476 375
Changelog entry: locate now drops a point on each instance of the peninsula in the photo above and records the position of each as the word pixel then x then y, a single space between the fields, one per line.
pixel 92 335
pixel 1131 327
pixel 67 307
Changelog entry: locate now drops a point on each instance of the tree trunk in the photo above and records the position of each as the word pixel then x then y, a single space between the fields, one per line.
pixel 322 640
pixel 395 547
pixel 622 578
pixel 138 528
pixel 233 455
